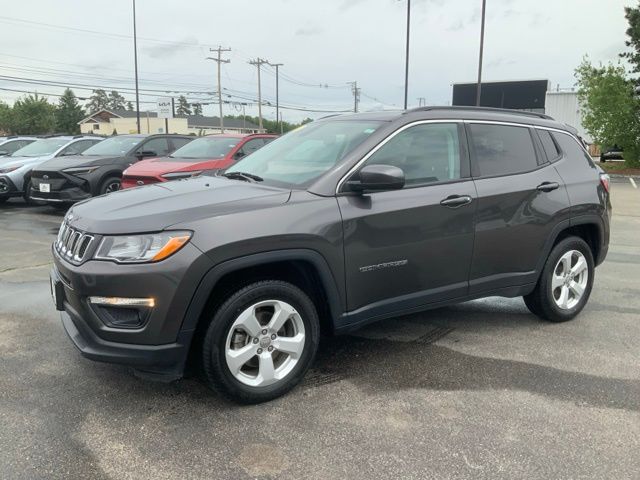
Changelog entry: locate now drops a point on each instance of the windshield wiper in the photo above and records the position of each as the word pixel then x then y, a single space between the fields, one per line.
pixel 247 177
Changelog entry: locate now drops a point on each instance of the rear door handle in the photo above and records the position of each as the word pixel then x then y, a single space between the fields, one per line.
pixel 455 201
pixel 548 186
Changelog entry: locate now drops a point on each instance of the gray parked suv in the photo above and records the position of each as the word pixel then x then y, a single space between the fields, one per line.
pixel 342 222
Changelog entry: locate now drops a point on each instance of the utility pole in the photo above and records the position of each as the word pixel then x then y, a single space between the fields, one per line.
pixel 219 61
pixel 422 101
pixel 406 65
pixel 135 63
pixel 479 87
pixel 258 63
pixel 356 95
pixel 277 65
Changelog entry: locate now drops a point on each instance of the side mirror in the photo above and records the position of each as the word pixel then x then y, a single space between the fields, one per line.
pixel 377 178
pixel 145 154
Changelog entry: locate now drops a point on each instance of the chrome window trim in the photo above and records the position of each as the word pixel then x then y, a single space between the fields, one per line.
pixel 383 142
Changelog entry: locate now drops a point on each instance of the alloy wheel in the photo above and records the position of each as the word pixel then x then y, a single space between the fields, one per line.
pixel 265 343
pixel 569 279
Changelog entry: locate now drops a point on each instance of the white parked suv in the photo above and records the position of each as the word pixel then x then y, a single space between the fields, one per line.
pixel 15 169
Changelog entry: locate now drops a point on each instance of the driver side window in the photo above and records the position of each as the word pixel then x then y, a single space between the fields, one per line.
pixel 426 153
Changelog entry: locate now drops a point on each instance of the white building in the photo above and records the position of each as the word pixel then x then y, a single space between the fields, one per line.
pixel 565 108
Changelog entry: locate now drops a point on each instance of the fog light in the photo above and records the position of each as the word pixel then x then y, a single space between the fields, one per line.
pixel 123 302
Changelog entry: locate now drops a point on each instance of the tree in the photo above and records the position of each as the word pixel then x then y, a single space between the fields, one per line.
pixel 183 106
pixel 116 101
pixel 130 106
pixel 5 118
pixel 633 32
pixel 610 108
pixel 68 113
pixel 32 115
pixel 99 100
pixel 197 109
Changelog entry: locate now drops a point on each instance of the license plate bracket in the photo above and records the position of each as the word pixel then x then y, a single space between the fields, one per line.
pixel 45 187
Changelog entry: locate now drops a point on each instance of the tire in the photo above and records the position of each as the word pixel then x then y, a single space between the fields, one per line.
pixel 556 297
pixel 253 381
pixel 3 200
pixel 108 184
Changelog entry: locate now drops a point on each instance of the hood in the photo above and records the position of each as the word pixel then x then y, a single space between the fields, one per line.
pixel 159 166
pixel 60 163
pixel 12 161
pixel 158 206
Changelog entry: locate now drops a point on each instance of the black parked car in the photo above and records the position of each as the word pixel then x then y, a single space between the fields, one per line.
pixel 346 221
pixel 613 153
pixel 99 169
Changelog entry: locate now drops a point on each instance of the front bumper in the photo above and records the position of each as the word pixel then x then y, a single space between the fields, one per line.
pixel 63 188
pixel 159 346
pixel 138 181
pixel 8 189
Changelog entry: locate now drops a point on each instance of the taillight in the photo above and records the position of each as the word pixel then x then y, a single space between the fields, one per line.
pixel 604 180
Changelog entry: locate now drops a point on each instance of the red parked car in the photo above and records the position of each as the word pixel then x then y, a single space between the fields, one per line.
pixel 211 152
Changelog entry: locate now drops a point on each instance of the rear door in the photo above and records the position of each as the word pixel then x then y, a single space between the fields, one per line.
pixel 410 247
pixel 521 198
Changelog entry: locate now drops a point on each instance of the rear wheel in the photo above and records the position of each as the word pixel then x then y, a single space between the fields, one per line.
pixel 110 185
pixel 260 342
pixel 565 283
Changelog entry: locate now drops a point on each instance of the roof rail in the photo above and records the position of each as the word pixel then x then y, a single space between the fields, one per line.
pixel 483 109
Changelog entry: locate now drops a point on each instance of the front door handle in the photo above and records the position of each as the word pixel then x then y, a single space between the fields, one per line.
pixel 455 201
pixel 548 186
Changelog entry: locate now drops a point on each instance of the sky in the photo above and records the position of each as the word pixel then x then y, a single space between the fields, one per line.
pixel 322 44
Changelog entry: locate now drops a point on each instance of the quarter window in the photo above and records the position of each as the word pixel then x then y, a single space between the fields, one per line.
pixel 159 146
pixel 571 149
pixel 550 147
pixel 426 153
pixel 503 149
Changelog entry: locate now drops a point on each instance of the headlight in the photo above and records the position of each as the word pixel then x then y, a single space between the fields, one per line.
pixel 80 170
pixel 144 248
pixel 10 169
pixel 179 175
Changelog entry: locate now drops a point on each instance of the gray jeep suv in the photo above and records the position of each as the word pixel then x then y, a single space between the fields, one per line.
pixel 344 221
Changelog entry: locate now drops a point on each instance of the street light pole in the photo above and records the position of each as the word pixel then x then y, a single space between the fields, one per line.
pixel 406 66
pixel 135 62
pixel 479 86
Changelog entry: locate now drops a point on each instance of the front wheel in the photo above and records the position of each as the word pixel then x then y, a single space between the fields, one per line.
pixel 110 185
pixel 260 342
pixel 565 282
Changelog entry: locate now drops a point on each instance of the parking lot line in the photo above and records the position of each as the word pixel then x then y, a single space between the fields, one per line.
pixel 633 182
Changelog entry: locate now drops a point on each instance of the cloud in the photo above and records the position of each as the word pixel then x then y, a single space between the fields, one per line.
pixel 308 31
pixel 171 49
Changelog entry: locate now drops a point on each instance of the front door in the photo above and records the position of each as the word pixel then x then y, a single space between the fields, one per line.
pixel 410 247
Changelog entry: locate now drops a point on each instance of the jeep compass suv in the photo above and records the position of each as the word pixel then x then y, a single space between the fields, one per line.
pixel 342 222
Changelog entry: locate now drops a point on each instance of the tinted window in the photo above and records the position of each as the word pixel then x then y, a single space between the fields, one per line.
pixel 179 142
pixel 550 147
pixel 77 148
pixel 251 146
pixel 425 153
pixel 571 148
pixel 159 147
pixel 502 149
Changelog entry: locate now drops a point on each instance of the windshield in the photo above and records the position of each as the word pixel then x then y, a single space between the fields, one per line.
pixel 115 146
pixel 299 157
pixel 205 147
pixel 46 146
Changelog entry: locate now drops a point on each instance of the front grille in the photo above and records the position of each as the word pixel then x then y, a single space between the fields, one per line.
pixel 72 244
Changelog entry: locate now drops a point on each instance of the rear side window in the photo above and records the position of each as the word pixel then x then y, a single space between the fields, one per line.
pixel 572 149
pixel 550 147
pixel 179 142
pixel 503 149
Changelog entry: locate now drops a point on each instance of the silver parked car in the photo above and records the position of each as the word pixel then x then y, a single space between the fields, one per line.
pixel 15 169
pixel 9 145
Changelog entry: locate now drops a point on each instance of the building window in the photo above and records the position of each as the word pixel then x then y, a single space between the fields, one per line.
pixel 96 126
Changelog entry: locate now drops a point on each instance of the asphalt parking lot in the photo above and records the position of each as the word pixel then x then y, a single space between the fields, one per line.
pixel 480 390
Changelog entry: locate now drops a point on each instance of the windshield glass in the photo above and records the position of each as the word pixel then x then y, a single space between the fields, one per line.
pixel 115 146
pixel 205 147
pixel 46 146
pixel 301 156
